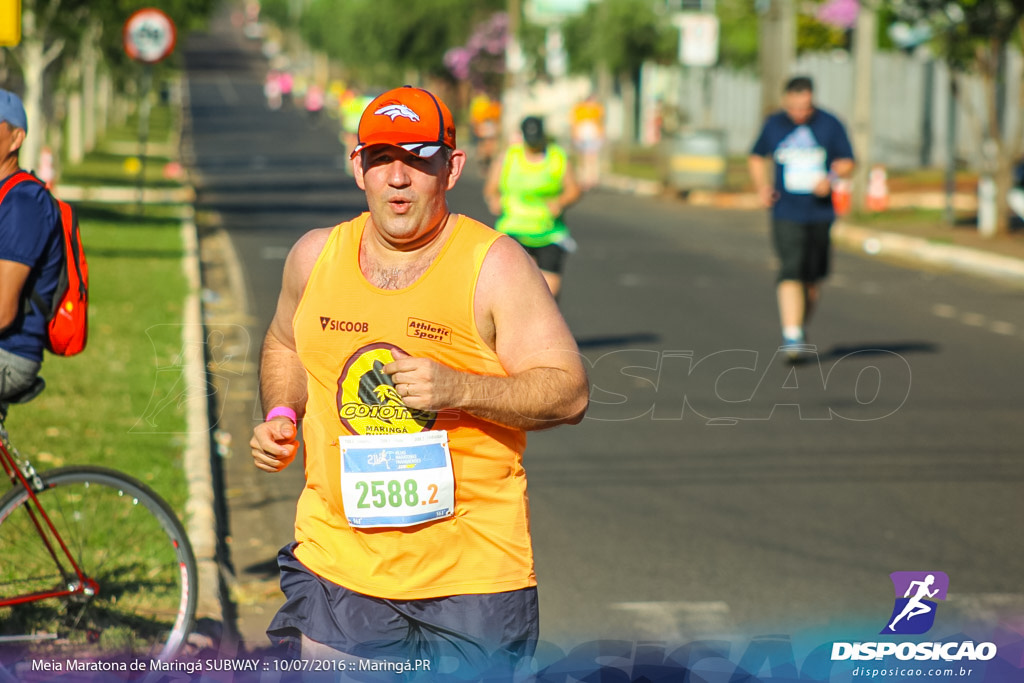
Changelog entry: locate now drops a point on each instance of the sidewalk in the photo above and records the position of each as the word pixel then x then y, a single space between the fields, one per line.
pixel 920 241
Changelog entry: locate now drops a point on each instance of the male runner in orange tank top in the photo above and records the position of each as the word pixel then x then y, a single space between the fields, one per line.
pixel 417 347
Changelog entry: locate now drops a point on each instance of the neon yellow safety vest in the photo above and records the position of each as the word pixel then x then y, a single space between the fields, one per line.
pixel 526 188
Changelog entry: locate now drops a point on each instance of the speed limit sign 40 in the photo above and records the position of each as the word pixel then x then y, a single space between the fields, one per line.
pixel 149 35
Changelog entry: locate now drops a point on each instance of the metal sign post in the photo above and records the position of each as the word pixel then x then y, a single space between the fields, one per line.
pixel 698 49
pixel 149 37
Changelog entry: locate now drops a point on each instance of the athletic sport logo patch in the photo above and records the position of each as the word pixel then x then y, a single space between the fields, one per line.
pixel 424 329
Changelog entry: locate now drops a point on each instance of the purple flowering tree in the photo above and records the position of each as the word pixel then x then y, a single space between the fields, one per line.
pixel 841 13
pixel 481 61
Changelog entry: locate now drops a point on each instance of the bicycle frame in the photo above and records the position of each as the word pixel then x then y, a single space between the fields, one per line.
pixel 21 473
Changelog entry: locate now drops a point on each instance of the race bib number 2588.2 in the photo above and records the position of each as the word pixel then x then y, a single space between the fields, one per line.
pixel 396 480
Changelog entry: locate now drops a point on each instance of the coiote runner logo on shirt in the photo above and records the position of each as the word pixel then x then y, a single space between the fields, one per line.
pixel 367 400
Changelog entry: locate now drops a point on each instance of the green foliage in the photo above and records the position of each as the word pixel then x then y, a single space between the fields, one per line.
pixel 276 11
pixel 187 15
pixel 960 28
pixel 65 23
pixel 815 36
pixel 532 38
pixel 738 34
pixel 621 35
pixel 381 41
pixel 95 402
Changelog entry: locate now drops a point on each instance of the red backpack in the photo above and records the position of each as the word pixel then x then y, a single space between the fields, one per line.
pixel 67 312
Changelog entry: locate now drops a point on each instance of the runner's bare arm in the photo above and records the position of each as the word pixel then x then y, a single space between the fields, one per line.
pixel 547 384
pixel 492 186
pixel 840 168
pixel 12 280
pixel 282 376
pixel 758 168
pixel 843 167
pixel 570 194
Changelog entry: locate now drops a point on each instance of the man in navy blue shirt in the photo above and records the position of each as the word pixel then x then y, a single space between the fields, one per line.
pixel 810 149
pixel 31 256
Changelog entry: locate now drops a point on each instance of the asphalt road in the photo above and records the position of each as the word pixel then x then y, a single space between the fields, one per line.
pixel 712 490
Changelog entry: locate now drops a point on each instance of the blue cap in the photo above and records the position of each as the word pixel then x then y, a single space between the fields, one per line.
pixel 12 110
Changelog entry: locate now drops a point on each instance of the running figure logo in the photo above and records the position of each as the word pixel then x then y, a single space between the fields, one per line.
pixel 914 612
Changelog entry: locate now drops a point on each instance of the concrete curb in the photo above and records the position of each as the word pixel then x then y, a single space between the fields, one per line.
pixel 962 259
pixel 199 509
pixel 201 515
pixel 126 195
pixel 130 148
pixel 636 186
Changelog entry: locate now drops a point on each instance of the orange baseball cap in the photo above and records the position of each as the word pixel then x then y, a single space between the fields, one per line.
pixel 411 118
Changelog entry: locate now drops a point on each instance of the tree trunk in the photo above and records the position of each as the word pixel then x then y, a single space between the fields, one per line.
pixel 90 63
pixel 776 50
pixel 35 54
pixel 604 94
pixel 75 148
pixel 998 148
pixel 865 38
pixel 55 131
pixel 104 97
pixel 627 90
pixel 1004 182
pixel 33 66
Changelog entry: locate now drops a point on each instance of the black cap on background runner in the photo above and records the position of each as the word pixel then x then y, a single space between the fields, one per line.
pixel 533 132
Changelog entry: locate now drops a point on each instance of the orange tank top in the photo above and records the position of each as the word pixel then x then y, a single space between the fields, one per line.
pixel 345 329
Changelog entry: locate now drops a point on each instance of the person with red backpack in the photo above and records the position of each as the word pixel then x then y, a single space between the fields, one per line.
pixel 31 261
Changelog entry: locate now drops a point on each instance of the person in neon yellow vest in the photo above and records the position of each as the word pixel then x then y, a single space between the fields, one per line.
pixel 529 188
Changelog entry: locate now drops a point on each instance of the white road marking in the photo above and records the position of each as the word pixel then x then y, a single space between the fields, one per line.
pixel 678 621
pixel 973 319
pixel 989 608
pixel 1003 327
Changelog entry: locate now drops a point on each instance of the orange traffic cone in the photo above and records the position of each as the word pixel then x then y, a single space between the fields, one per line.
pixel 877 198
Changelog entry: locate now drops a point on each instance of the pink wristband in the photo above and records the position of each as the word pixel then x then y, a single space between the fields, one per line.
pixel 283 411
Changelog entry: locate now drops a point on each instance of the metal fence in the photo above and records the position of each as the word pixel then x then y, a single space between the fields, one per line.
pixel 910 105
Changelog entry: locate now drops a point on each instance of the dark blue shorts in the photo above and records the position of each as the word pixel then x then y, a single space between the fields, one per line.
pixel 486 632
pixel 804 249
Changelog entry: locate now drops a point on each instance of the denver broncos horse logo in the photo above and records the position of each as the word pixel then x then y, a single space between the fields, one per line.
pixel 396 110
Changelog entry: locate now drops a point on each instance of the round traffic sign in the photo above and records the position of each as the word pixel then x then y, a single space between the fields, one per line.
pixel 149 35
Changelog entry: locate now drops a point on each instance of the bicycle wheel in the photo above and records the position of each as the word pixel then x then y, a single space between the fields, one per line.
pixel 124 537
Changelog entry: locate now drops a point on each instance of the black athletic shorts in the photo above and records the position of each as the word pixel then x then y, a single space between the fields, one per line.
pixel 550 257
pixel 489 632
pixel 804 249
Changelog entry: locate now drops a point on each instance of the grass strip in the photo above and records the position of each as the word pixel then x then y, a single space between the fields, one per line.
pixel 120 403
